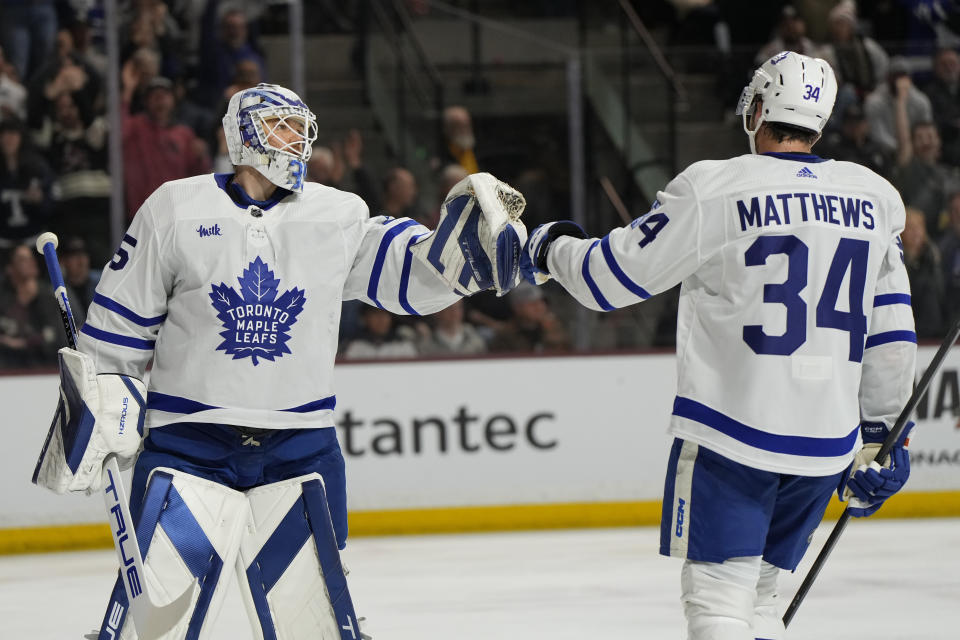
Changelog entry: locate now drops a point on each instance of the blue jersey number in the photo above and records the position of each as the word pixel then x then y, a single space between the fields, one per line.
pixel 120 260
pixel 650 225
pixel 851 256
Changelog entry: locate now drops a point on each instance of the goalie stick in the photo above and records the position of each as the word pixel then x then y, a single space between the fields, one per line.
pixel 150 620
pixel 881 458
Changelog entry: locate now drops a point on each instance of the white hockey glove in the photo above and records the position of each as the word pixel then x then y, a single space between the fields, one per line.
pixel 97 415
pixel 867 485
pixel 478 239
pixel 533 262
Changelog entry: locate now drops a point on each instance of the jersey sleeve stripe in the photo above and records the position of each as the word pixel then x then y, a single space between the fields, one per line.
pixel 891 298
pixel 776 443
pixel 890 336
pixel 381 258
pixel 594 289
pixel 132 316
pixel 624 279
pixel 405 277
pixel 116 338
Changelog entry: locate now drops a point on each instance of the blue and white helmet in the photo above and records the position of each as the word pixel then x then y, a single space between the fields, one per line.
pixel 252 116
pixel 795 89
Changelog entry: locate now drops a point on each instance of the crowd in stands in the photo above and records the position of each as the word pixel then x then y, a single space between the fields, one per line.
pixel 897 112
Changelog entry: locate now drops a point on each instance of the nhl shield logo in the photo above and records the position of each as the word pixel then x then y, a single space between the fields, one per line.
pixel 256 321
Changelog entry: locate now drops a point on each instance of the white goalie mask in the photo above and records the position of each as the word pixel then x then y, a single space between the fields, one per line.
pixel 255 121
pixel 795 89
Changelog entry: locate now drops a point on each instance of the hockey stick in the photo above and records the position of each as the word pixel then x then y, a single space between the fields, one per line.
pixel 150 620
pixel 881 457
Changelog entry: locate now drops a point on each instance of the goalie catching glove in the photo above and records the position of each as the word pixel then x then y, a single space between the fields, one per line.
pixel 868 485
pixel 97 415
pixel 479 237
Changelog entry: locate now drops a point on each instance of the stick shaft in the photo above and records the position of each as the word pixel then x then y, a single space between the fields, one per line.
pixel 60 293
pixel 881 457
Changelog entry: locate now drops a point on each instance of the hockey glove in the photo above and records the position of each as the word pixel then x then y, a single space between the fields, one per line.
pixel 97 415
pixel 479 237
pixel 868 484
pixel 533 262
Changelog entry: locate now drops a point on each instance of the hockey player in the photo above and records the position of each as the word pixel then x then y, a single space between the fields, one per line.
pixel 795 340
pixel 232 284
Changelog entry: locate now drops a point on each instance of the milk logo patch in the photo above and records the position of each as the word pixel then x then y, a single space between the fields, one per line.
pixel 256 320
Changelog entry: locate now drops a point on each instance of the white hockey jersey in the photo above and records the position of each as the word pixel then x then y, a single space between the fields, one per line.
pixel 794 320
pixel 238 302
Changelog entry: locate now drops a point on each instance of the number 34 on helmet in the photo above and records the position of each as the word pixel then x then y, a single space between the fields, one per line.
pixel 270 129
pixel 794 89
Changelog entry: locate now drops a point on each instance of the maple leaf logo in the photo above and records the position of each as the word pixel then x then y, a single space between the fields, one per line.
pixel 256 321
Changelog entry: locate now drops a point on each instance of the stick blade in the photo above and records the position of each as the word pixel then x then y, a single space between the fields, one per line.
pixel 152 622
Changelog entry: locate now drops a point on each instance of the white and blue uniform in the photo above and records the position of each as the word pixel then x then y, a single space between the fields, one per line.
pixel 794 320
pixel 238 302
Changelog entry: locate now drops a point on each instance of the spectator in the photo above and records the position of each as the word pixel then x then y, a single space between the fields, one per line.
pixel 25 182
pixel 791 36
pixel 323 167
pixel 148 24
pixel 355 177
pixel 155 149
pixel 459 138
pixel 944 94
pixel 221 53
pixel 533 328
pixel 136 74
pixel 858 60
pixel 63 72
pixel 852 143
pixel 28 29
pixel 881 106
pixel 379 338
pixel 13 95
pixel 949 247
pixel 451 335
pixel 926 275
pixel 29 319
pixel 922 180
pixel 75 146
pixel 79 278
pixel 400 194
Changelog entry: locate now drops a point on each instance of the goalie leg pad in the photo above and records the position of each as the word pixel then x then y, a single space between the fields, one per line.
pixel 767 622
pixel 187 528
pixel 290 572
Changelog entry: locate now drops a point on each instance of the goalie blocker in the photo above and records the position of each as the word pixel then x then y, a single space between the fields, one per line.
pixel 478 240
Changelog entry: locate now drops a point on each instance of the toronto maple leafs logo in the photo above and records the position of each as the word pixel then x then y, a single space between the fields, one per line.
pixel 256 322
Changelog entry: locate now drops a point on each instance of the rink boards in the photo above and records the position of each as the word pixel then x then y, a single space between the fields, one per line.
pixel 482 444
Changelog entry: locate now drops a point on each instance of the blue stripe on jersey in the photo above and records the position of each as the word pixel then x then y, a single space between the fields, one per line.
pixel 624 279
pixel 405 276
pixel 388 237
pixel 594 289
pixel 175 404
pixel 890 336
pixel 775 443
pixel 891 298
pixel 132 316
pixel 116 338
pixel 317 405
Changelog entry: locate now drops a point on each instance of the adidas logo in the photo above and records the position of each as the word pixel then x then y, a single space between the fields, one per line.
pixel 806 173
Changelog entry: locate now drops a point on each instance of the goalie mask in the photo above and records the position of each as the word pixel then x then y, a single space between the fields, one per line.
pixel 270 129
pixel 794 89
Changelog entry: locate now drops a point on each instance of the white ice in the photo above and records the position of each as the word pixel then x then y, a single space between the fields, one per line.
pixel 887 579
